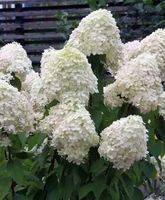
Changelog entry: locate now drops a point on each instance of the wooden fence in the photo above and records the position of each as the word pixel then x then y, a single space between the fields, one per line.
pixel 34 23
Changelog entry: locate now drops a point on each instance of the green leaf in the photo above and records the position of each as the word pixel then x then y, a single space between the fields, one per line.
pixel 98 167
pixel 5 183
pixel 20 197
pixel 15 171
pixel 114 192
pixel 51 104
pixel 51 182
pixel 35 139
pixel 67 187
pixel 96 116
pixel 127 185
pixel 161 128
pixel 33 181
pixel 102 3
pixel 156 147
pixel 16 82
pixel 54 194
pixel 98 186
pixel 16 143
pixel 92 4
pixel 137 194
pixel 2 154
pixel 148 169
pixel 84 190
pixel 22 155
pixel 22 138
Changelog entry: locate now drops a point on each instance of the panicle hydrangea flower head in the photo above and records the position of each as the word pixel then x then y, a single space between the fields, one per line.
pixel 111 97
pixel 129 50
pixel 5 77
pixel 33 88
pixel 162 105
pixel 56 116
pixel 75 135
pixel 13 59
pixel 16 112
pixel 155 44
pixel 68 72
pixel 46 55
pixel 98 33
pixel 137 82
pixel 124 142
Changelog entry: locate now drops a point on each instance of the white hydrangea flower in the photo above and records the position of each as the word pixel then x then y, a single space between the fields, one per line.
pixel 111 97
pixel 98 33
pixel 56 116
pixel 33 88
pixel 129 51
pixel 16 113
pixel 137 82
pixel 155 44
pixel 5 77
pixel 162 105
pixel 124 142
pixel 46 55
pixel 75 135
pixel 13 58
pixel 67 72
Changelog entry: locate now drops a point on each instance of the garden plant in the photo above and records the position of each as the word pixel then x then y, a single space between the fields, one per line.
pixel 91 124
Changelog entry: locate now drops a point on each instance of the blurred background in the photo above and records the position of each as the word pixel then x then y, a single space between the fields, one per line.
pixel 38 24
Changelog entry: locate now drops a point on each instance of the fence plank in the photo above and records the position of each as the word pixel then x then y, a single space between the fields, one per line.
pixel 36 26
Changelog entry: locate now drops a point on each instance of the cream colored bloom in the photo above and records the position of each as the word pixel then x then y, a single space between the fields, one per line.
pixel 98 33
pixel 155 44
pixel 129 51
pixel 137 82
pixel 56 116
pixel 75 135
pixel 16 112
pixel 65 73
pixel 124 142
pixel 32 87
pixel 13 58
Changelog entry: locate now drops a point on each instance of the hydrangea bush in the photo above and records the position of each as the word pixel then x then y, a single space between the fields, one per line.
pixel 67 133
